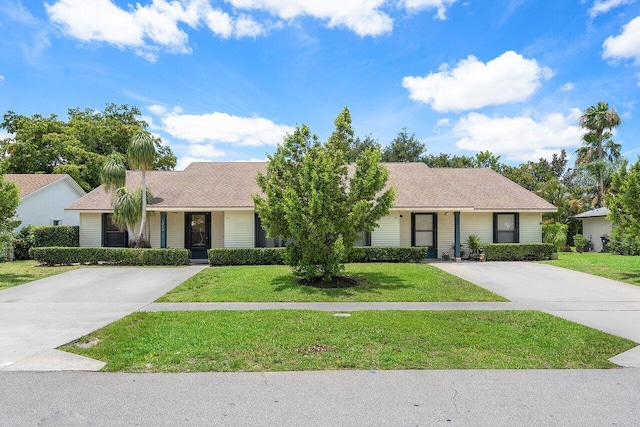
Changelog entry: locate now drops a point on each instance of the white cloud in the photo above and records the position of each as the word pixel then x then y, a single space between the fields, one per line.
pixel 207 151
pixel 224 128
pixel 472 84
pixel 604 6
pixel 519 138
pixel 626 45
pixel 156 109
pixel 443 122
pixel 440 5
pixel 147 28
pixel 567 87
pixel 361 16
pixel 1 78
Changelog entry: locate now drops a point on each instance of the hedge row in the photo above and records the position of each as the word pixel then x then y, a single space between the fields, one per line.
pixel 115 256
pixel 387 254
pixel 517 251
pixel 248 256
pixel 274 256
pixel 60 236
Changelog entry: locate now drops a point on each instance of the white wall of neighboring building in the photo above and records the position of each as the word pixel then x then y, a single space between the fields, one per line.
pixel 47 204
pixel 594 229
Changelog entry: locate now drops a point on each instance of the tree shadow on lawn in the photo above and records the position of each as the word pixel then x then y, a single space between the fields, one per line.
pixel 10 279
pixel 633 278
pixel 370 283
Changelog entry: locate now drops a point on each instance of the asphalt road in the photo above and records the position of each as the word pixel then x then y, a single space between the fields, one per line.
pixel 330 398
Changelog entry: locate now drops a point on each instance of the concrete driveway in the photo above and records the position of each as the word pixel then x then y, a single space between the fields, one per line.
pixel 600 303
pixel 37 317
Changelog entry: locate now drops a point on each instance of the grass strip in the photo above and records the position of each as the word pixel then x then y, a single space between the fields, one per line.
pixel 617 267
pixel 18 272
pixel 381 282
pixel 294 340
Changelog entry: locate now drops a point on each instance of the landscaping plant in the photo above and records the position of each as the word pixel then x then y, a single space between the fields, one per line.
pixel 312 201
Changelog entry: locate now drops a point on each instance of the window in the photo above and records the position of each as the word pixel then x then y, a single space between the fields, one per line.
pixel 56 222
pixel 506 228
pixel 112 235
pixel 261 239
pixel 364 239
pixel 424 230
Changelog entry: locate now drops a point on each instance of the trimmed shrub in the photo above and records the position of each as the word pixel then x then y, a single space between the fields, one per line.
pixel 275 256
pixel 581 243
pixel 387 254
pixel 246 256
pixel 60 236
pixel 518 251
pixel 22 242
pixel 112 256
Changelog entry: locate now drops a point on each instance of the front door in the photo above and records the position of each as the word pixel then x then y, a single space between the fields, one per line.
pixel 198 234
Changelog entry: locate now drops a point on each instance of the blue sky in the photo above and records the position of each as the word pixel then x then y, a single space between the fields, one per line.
pixel 225 80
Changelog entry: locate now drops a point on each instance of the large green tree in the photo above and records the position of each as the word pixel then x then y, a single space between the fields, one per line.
pixel 130 206
pixel 313 201
pixel 624 203
pixel 9 201
pixel 598 150
pixel 404 148
pixel 78 146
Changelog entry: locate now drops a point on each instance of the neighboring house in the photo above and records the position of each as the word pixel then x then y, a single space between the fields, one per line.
pixel 210 205
pixel 43 198
pixel 595 226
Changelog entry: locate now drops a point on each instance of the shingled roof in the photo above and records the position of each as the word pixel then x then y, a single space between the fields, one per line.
pixel 227 185
pixel 29 183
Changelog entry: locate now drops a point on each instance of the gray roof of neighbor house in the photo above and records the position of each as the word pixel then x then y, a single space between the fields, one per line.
pixel 593 213
pixel 225 185
pixel 29 183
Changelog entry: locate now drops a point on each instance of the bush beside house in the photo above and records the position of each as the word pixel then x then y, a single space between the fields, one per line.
pixel 518 251
pixel 116 256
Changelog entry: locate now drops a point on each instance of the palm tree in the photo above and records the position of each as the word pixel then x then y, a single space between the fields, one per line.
pixel 141 155
pixel 599 120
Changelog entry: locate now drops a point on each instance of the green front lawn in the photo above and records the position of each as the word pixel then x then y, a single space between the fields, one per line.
pixel 380 282
pixel 19 272
pixel 294 340
pixel 616 267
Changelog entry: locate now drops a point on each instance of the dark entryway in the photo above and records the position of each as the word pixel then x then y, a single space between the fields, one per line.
pixel 198 234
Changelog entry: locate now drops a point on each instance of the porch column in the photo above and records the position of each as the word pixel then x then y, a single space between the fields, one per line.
pixel 163 229
pixel 456 226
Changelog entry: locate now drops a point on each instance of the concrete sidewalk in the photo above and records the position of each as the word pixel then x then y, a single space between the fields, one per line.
pixel 603 304
pixel 38 317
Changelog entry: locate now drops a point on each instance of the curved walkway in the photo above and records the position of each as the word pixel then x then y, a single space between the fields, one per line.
pixel 38 317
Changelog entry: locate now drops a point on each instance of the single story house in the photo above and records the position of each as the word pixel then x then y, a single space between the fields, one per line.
pixel 595 226
pixel 44 197
pixel 209 205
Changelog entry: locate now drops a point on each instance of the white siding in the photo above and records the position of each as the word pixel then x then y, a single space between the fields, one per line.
pixel 217 229
pixel 239 229
pixel 388 232
pixel 530 227
pixel 42 207
pixel 479 223
pixel 405 229
pixel 175 229
pixel 153 221
pixel 446 232
pixel 90 230
pixel 594 228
